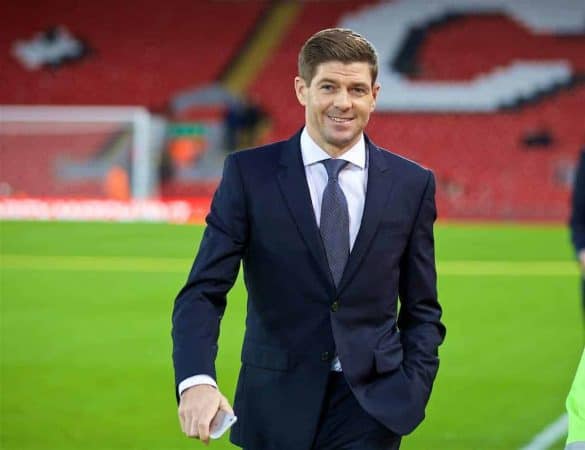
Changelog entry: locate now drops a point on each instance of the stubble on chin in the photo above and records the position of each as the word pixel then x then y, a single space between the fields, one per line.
pixel 342 140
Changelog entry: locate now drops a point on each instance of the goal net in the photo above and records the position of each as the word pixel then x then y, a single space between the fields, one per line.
pixel 77 152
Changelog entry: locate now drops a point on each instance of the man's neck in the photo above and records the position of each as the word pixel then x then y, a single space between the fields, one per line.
pixel 331 150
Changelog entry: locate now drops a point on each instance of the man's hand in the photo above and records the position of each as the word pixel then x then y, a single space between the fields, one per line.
pixel 199 405
pixel 582 260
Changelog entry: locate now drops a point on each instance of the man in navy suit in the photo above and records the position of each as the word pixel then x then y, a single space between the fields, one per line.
pixel 331 231
pixel 577 221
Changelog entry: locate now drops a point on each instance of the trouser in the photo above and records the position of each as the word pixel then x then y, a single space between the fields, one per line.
pixel 344 425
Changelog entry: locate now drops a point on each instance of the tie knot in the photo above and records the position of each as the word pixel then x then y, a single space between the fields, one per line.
pixel 333 167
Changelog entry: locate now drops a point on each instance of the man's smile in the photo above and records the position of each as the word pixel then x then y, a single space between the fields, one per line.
pixel 338 119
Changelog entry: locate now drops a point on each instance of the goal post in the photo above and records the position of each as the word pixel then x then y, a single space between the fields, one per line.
pixel 25 130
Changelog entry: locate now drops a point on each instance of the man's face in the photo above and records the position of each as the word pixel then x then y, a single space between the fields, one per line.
pixel 338 104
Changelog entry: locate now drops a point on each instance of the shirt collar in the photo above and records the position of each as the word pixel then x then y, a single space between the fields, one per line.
pixel 312 153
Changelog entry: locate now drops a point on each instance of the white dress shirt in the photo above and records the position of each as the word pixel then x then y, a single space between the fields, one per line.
pixel 353 180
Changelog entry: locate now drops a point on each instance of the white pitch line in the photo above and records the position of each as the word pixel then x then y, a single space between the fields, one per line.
pixel 550 435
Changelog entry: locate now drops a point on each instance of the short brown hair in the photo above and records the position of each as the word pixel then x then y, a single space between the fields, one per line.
pixel 336 44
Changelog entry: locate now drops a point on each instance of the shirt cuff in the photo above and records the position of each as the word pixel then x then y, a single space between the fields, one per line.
pixel 196 380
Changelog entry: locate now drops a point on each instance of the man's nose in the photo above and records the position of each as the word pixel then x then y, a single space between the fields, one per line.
pixel 342 99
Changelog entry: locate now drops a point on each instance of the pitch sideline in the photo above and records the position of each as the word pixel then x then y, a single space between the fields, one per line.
pixel 551 434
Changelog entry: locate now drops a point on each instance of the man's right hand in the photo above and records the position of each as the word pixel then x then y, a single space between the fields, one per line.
pixel 198 406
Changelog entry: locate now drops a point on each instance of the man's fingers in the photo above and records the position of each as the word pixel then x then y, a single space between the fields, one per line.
pixel 188 423
pixel 199 405
pixel 183 421
pixel 203 429
pixel 193 429
pixel 225 405
pixel 180 414
pixel 204 422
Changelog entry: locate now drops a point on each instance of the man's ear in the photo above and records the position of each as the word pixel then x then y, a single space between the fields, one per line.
pixel 301 90
pixel 375 91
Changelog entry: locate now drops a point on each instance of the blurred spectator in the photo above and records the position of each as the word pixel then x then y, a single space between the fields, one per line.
pixel 242 124
pixel 234 122
pixel 578 219
pixel 252 120
pixel 117 184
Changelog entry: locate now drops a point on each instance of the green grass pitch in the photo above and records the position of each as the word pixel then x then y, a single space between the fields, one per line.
pixel 86 351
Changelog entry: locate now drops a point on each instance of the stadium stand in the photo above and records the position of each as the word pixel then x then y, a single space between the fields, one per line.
pixel 483 168
pixel 390 26
pixel 478 80
pixel 144 51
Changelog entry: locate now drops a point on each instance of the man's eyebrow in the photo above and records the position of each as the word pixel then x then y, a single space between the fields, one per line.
pixel 326 80
pixel 352 84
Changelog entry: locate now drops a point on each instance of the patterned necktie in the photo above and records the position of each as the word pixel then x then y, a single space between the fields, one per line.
pixel 334 224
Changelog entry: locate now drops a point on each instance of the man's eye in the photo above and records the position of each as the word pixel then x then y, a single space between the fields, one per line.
pixel 327 87
pixel 360 91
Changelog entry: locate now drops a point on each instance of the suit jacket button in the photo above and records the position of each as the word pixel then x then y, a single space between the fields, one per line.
pixel 334 306
pixel 325 356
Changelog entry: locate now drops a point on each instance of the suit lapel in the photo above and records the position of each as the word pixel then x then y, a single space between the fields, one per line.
pixel 293 184
pixel 377 194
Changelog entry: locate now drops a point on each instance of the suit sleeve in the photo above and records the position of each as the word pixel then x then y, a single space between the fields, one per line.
pixel 200 304
pixel 578 207
pixel 419 319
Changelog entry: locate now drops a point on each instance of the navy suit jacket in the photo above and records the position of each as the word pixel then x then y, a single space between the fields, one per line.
pixel 577 221
pixel 296 319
